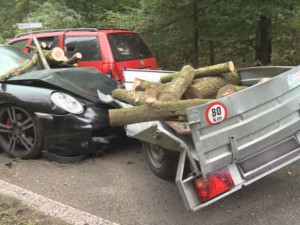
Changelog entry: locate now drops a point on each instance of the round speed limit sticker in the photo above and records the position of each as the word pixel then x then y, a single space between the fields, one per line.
pixel 216 112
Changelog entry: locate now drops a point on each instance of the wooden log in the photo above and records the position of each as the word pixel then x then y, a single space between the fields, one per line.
pixel 159 110
pixel 207 87
pixel 154 91
pixel 33 48
pixel 142 85
pixel 262 80
pixel 150 88
pixel 213 70
pixel 132 97
pixel 26 65
pixel 74 59
pixel 179 127
pixel 228 90
pixel 39 50
pixel 176 88
pixel 55 55
pixel 232 77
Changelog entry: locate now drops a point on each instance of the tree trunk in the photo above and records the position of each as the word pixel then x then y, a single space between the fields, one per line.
pixel 228 90
pixel 207 87
pixel 27 64
pixel 211 53
pixel 176 88
pixel 41 55
pixel 179 127
pixel 74 59
pixel 55 55
pixel 213 70
pixel 132 97
pixel 196 35
pixel 264 41
pixel 142 85
pixel 160 110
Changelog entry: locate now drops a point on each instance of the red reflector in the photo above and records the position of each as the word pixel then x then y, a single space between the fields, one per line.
pixel 213 185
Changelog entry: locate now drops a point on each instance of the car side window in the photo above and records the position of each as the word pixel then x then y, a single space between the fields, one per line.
pixel 51 42
pixel 88 46
pixel 19 44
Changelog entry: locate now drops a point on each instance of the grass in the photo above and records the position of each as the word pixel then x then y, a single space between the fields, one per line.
pixel 14 212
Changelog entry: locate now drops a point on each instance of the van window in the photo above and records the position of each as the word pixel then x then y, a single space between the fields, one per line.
pixel 88 46
pixel 51 42
pixel 128 46
pixel 19 44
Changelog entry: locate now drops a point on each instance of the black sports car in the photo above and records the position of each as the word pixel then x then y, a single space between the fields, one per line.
pixel 56 110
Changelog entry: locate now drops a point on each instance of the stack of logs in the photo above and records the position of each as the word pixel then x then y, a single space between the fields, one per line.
pixel 54 57
pixel 177 91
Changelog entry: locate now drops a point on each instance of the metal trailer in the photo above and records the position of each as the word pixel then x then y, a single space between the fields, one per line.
pixel 235 140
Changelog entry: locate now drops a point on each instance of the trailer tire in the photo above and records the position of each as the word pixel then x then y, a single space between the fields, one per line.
pixel 162 162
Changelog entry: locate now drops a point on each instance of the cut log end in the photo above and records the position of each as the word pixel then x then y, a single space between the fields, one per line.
pixel 231 66
pixel 136 83
pixel 57 54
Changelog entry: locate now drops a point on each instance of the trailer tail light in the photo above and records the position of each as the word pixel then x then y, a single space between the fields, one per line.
pixel 213 185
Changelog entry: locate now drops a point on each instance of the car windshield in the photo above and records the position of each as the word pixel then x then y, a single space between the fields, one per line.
pixel 11 57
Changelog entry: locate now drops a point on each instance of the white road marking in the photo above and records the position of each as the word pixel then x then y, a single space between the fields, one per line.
pixel 51 207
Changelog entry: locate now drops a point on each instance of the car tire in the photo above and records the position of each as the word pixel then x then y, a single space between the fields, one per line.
pixel 162 162
pixel 20 132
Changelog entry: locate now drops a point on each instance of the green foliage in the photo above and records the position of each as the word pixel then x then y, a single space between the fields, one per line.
pixel 54 15
pixel 179 31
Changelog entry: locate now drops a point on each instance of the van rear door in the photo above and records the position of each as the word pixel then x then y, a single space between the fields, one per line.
pixel 131 51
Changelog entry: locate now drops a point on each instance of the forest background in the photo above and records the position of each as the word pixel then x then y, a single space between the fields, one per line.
pixel 196 32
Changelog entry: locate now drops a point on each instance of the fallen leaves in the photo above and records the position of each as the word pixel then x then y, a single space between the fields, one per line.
pixel 16 174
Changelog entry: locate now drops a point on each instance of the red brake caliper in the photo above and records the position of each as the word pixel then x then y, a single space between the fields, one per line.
pixel 8 123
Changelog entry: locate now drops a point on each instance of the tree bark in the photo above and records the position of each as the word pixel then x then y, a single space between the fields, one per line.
pixel 179 127
pixel 39 50
pixel 160 110
pixel 55 55
pixel 264 41
pixel 228 90
pixel 26 65
pixel 142 85
pixel 176 88
pixel 150 88
pixel 211 53
pixel 213 70
pixel 196 35
pixel 207 87
pixel 132 97
pixel 74 59
pixel 155 91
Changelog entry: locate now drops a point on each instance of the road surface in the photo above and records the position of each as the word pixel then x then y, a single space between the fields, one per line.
pixel 118 186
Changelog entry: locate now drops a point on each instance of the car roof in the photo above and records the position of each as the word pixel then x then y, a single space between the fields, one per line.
pixel 81 31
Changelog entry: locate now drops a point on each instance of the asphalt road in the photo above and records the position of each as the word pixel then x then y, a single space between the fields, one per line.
pixel 118 186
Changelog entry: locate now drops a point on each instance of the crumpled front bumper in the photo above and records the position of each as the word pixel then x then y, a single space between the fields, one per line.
pixel 70 134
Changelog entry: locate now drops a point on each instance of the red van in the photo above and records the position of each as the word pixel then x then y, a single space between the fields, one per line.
pixel 108 50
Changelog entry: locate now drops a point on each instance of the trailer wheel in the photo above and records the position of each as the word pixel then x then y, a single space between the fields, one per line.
pixel 163 163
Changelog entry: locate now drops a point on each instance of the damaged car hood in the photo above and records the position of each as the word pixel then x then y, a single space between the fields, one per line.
pixel 81 81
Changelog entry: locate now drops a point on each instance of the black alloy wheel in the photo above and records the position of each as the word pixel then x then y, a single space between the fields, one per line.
pixel 20 133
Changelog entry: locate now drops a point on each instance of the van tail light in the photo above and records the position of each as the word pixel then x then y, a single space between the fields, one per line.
pixel 113 72
pixel 213 185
